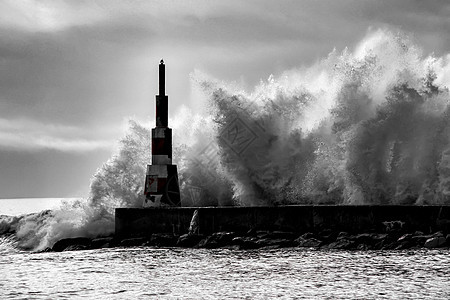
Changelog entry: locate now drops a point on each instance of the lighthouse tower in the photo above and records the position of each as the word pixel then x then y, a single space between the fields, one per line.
pixel 161 181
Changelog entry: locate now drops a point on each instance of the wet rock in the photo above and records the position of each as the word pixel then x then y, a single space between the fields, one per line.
pixel 251 232
pixel 308 235
pixel 64 244
pixel 363 247
pixel 275 243
pixel 420 239
pixel 162 240
pixel 133 242
pixel 245 242
pixel 379 240
pixel 217 240
pixel 189 240
pixel 76 248
pixel 308 242
pixel 99 243
pixel 367 239
pixel 329 238
pixel 342 235
pixel 435 242
pixel 341 244
pixel 405 237
pixel 208 243
pixel 276 235
pixel 223 238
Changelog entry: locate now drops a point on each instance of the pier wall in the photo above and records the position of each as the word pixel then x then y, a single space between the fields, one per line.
pixel 141 222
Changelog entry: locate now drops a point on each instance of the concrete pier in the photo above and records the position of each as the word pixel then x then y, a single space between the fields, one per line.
pixel 142 222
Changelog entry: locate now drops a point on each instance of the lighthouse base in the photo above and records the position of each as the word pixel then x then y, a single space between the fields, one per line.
pixel 161 186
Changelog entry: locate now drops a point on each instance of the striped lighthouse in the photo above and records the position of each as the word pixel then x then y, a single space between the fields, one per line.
pixel 161 180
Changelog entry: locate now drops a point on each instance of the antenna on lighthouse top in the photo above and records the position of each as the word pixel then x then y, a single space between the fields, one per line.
pixel 162 78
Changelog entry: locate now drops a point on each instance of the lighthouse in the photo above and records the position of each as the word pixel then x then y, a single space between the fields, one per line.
pixel 161 180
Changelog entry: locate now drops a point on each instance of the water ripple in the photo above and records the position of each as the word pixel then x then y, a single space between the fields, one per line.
pixel 143 273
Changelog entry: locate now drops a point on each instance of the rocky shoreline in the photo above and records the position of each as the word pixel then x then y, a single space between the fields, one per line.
pixel 324 240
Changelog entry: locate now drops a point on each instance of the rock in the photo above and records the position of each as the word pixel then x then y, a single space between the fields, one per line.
pixel 278 243
pixel 223 238
pixel 104 242
pixel 162 240
pixel 63 244
pixel 435 242
pixel 308 235
pixel 208 243
pixel 76 248
pixel 133 242
pixel 342 244
pixel 251 232
pixel 328 236
pixel 308 242
pixel 437 234
pixel 342 235
pixel 403 244
pixel 245 242
pixel 217 240
pixel 405 237
pixel 366 238
pixel 189 240
pixel 420 239
pixel 276 235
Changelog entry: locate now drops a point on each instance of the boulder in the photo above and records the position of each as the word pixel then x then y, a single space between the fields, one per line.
pixel 308 235
pixel 208 243
pixel 223 238
pixel 189 240
pixel 218 240
pixel 275 243
pixel 64 244
pixel 308 242
pixel 435 242
pixel 104 242
pixel 76 248
pixel 276 235
pixel 133 242
pixel 341 244
pixel 162 240
pixel 245 242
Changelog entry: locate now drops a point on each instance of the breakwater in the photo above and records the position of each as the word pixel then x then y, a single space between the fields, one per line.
pixel 136 222
pixel 371 227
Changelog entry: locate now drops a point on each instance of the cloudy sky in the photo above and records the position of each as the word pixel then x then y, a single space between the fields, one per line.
pixel 73 71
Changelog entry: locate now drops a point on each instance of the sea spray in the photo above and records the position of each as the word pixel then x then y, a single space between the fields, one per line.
pixel 368 126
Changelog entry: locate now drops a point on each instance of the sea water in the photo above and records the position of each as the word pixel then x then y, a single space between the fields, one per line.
pixel 174 273
pixel 178 273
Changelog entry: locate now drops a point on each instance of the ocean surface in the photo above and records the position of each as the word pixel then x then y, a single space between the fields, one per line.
pixel 175 273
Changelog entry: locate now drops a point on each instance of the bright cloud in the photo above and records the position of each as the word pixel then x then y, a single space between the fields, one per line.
pixel 28 135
